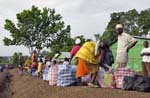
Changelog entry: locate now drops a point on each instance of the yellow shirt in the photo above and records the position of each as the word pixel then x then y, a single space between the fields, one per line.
pixel 39 66
pixel 28 62
pixel 87 52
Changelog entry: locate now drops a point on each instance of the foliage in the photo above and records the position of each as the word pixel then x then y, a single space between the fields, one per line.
pixel 4 60
pixel 97 36
pixel 36 29
pixel 17 59
pixel 135 23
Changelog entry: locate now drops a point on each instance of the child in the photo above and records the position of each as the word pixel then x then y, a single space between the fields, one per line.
pixel 66 61
pixel 145 53
pixel 40 64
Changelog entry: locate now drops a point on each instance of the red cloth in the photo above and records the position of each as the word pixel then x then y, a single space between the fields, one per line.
pixel 34 65
pixel 33 57
pixel 75 49
pixel 120 73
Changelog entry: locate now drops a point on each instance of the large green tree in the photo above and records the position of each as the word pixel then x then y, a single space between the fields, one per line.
pixel 36 28
pixel 135 23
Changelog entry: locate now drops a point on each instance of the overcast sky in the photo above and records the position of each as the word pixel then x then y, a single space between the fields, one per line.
pixel 86 17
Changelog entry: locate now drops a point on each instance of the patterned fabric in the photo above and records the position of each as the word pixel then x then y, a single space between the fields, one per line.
pixel 66 75
pixel 53 75
pixel 45 74
pixel 119 75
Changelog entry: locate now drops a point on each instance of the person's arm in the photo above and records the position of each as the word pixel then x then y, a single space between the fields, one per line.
pixel 112 42
pixel 72 53
pixel 131 45
pixel 100 59
pixel 132 42
pixel 100 55
pixel 142 54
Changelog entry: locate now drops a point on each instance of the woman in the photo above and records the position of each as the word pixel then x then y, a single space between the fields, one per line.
pixel 74 50
pixel 88 61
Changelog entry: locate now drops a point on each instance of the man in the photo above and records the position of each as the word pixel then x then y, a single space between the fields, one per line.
pixel 125 43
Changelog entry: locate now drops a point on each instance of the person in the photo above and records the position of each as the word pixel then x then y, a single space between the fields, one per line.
pixel 46 69
pixel 33 68
pixel 34 57
pixel 125 43
pixel 74 50
pixel 145 53
pixel 88 62
pixel 53 73
pixel 66 61
pixel 40 64
pixel 21 68
pixel 28 63
pixel 107 59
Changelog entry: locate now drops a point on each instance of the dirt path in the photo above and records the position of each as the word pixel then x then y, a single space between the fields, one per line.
pixel 4 85
pixel 32 87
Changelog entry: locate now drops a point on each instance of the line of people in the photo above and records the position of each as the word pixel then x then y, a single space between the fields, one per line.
pixel 89 62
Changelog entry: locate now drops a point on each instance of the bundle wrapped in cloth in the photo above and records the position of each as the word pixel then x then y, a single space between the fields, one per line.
pixel 120 73
pixel 66 75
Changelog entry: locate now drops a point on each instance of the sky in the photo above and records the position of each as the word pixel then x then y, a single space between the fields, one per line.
pixel 86 17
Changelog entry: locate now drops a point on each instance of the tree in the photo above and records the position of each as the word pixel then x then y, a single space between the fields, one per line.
pixel 17 59
pixel 144 21
pixel 36 29
pixel 135 23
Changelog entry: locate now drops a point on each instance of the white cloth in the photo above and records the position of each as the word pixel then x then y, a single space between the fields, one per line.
pixel 65 63
pixel 97 47
pixel 145 58
pixel 123 41
pixel 48 63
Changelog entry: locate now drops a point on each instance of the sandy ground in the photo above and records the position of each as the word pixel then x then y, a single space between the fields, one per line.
pixel 33 87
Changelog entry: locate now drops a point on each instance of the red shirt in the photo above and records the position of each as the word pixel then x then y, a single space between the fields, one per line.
pixel 75 49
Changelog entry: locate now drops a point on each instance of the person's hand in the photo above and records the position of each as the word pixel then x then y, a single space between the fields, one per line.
pixel 147 54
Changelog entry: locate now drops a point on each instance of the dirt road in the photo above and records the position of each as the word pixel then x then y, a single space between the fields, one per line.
pixel 33 87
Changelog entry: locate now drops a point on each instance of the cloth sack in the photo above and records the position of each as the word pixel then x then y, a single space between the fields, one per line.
pixel 120 73
pixel 53 75
pixel 66 75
